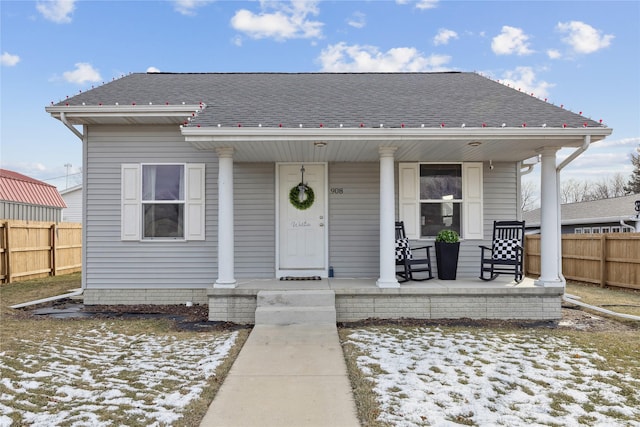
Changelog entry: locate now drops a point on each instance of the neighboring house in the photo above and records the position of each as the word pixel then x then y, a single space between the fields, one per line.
pixel 596 216
pixel 192 192
pixel 73 198
pixel 27 199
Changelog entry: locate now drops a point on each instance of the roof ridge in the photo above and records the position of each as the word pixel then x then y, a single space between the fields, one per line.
pixel 16 176
pixel 299 72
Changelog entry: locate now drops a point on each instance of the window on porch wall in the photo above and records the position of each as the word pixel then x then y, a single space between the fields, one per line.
pixel 437 196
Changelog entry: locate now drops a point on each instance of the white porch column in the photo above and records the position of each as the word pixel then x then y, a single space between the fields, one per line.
pixel 549 219
pixel 387 220
pixel 226 277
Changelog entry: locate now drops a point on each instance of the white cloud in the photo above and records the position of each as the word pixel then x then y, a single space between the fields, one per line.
pixel 624 142
pixel 188 7
pixel 84 73
pixel 280 21
pixel 444 36
pixel 357 20
pixel 153 70
pixel 525 80
pixel 583 38
pixel 511 41
pixel 355 58
pixel 427 4
pixel 9 60
pixel 58 11
pixel 421 4
pixel 553 53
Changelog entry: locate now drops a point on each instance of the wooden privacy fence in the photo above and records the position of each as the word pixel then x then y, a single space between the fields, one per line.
pixel 611 259
pixel 32 249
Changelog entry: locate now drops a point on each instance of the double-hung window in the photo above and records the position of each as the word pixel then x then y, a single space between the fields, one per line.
pixel 162 201
pixel 440 198
pixel 437 196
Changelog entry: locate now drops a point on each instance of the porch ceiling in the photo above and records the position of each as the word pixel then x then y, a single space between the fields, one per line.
pixel 362 145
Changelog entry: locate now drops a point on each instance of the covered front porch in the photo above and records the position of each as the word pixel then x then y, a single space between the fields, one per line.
pixel 361 298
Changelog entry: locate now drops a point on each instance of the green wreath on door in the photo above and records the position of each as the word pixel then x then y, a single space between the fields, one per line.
pixel 294 197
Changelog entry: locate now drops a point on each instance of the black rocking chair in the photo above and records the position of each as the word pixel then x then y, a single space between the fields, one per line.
pixel 406 258
pixel 506 253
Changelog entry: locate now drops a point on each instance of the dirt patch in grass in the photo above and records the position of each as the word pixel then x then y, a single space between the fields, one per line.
pixel 572 319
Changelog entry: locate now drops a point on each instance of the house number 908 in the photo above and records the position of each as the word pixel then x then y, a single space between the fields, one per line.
pixel 336 191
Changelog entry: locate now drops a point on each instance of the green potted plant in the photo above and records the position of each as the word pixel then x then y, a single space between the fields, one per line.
pixel 447 250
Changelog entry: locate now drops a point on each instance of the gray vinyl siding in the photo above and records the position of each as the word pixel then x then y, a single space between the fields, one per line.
pixel 25 212
pixel 113 263
pixel 499 203
pixel 354 217
pixel 254 219
pixel 354 209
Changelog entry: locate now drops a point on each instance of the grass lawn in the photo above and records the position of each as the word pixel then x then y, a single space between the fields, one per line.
pixel 105 371
pixel 112 371
pixel 430 374
pixel 620 300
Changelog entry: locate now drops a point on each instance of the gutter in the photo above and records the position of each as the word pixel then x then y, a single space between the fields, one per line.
pixel 572 157
pixel 572 300
pixel 231 134
pixel 76 132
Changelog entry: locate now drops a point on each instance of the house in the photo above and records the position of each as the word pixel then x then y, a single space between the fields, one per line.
pixel 192 188
pixel 73 199
pixel 27 199
pixel 595 216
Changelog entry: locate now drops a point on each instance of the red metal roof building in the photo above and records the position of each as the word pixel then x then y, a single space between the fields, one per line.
pixel 25 198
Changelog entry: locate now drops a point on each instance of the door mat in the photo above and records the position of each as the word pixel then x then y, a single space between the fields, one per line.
pixel 301 278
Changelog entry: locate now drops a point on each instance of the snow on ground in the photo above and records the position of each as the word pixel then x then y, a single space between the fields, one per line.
pixel 99 376
pixel 426 376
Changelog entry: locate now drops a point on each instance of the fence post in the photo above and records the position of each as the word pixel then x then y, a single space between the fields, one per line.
pixel 8 250
pixel 52 238
pixel 603 260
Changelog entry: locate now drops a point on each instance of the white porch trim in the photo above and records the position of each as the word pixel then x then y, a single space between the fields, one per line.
pixel 387 220
pixel 226 244
pixel 550 261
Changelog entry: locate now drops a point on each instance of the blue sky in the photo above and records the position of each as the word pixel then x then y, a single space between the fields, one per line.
pixel 584 55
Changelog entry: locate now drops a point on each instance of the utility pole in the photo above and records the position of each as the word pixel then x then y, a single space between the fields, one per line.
pixel 67 165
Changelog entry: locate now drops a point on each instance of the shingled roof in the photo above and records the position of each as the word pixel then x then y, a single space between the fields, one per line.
pixel 19 188
pixel 292 100
pixel 583 212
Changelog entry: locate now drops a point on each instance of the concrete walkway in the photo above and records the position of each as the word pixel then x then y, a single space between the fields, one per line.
pixel 293 375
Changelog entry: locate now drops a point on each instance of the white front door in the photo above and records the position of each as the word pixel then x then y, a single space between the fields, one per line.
pixel 302 233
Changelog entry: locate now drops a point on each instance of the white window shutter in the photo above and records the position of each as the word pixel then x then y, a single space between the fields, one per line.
pixel 473 224
pixel 409 198
pixel 195 206
pixel 131 209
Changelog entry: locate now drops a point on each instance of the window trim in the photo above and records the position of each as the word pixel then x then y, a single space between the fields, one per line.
pixel 182 202
pixel 132 205
pixel 472 222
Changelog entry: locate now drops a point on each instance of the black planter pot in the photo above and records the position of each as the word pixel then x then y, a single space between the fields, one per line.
pixel 447 260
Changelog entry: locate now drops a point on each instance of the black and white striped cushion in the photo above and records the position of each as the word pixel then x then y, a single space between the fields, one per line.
pixel 401 245
pixel 505 249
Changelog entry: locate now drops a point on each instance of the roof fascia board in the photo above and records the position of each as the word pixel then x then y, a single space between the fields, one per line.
pixel 385 134
pixel 82 111
pixel 581 221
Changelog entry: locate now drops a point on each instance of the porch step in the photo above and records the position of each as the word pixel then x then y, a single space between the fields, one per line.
pixel 296 307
